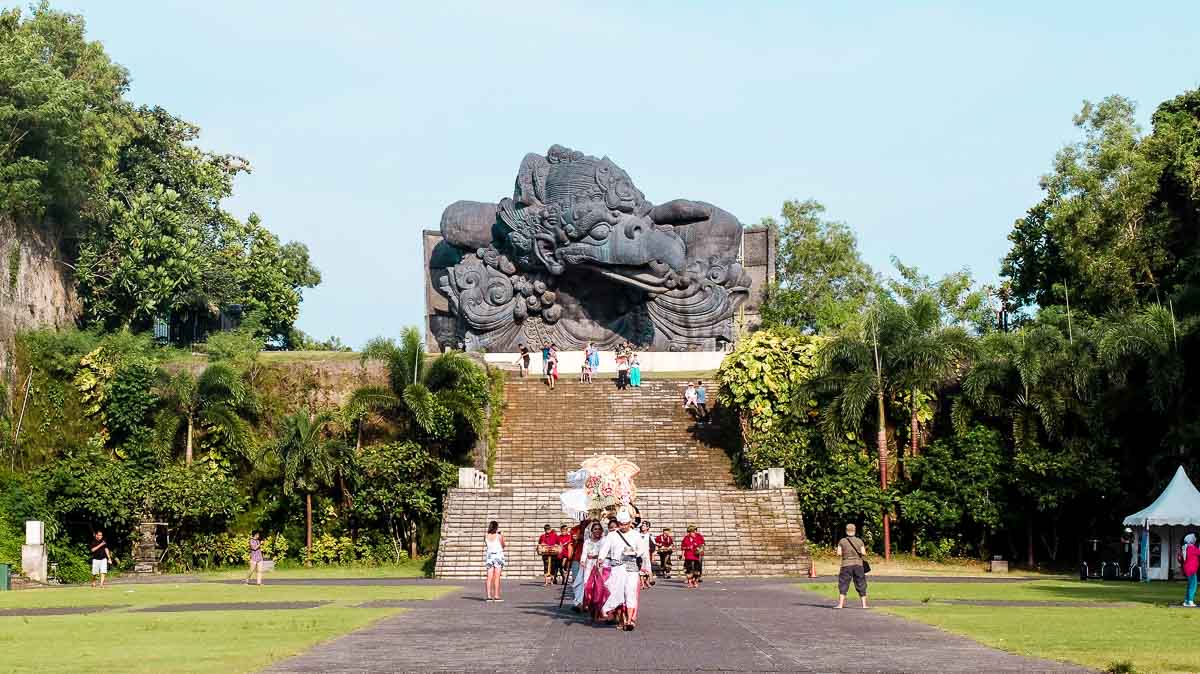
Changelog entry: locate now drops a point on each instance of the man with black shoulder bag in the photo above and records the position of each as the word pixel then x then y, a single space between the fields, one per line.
pixel 854 566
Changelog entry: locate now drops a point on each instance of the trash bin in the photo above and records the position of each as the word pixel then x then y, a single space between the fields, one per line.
pixel 5 578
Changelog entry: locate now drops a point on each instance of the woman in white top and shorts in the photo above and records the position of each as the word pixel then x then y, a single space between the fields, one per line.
pixel 493 559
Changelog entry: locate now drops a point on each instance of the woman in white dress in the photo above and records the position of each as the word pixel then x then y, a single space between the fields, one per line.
pixel 589 559
pixel 627 557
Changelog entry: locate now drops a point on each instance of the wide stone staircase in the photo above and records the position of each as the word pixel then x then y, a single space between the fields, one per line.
pixel 685 479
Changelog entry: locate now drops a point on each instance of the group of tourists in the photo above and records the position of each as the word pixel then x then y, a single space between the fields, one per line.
pixel 549 362
pixel 629 366
pixel 607 563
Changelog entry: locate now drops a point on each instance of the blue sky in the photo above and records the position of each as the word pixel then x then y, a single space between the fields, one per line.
pixel 924 126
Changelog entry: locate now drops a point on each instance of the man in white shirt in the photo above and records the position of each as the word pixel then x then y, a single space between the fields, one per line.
pixel 628 557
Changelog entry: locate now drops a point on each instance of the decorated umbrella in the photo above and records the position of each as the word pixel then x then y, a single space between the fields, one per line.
pixel 602 484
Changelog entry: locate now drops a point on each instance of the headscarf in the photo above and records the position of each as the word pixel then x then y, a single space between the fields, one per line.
pixel 1190 539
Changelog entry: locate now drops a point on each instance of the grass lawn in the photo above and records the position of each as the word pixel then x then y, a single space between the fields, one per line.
pixel 196 641
pixel 1153 639
pixel 181 357
pixel 1038 590
pixel 828 561
pixel 409 569
pixel 1147 634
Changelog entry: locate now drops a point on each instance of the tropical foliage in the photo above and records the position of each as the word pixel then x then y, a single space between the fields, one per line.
pixel 115 428
pixel 1024 419
pixel 137 202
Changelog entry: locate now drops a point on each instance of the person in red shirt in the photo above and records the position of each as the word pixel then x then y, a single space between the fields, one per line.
pixel 565 551
pixel 693 555
pixel 666 547
pixel 576 554
pixel 546 543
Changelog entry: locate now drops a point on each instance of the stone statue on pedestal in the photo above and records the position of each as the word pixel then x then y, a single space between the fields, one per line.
pixel 579 255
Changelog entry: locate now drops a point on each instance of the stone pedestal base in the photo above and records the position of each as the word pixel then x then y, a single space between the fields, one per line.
pixel 34 563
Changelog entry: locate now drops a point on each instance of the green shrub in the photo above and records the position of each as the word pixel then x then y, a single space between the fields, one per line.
pixel 73 563
pixel 330 549
pixel 275 548
pixel 938 551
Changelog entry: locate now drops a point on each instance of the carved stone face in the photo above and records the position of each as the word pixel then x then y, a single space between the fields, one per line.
pixel 632 243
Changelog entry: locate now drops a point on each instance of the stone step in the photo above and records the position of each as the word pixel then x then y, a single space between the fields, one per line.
pixel 547 433
pixel 756 533
pixel 686 477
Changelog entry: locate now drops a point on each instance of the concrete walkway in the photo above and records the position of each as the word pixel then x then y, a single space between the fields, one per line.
pixel 734 625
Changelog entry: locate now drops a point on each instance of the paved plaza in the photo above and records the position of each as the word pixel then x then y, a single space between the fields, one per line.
pixel 731 625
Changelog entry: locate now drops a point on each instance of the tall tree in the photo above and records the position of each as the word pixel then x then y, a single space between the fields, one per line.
pixel 935 339
pixel 308 461
pixel 1146 351
pixel 854 370
pixel 822 280
pixel 1097 230
pixel 899 353
pixel 926 355
pixel 62 114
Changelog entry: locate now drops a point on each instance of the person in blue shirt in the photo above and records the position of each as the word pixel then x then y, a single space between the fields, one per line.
pixel 547 370
pixel 593 363
pixel 702 402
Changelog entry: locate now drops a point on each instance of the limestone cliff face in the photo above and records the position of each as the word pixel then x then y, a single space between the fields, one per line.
pixel 36 289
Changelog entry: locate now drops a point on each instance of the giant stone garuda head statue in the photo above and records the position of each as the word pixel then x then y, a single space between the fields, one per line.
pixel 579 255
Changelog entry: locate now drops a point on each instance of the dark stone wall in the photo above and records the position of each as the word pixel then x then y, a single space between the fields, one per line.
pixel 758 258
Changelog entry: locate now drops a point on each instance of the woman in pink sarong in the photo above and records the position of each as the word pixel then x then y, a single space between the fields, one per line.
pixel 589 560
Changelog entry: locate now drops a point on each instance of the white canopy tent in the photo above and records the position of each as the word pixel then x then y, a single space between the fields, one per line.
pixel 1163 525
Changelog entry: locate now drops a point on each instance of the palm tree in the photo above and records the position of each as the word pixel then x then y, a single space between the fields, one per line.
pixel 307 459
pixel 1148 336
pixel 927 354
pixel 898 350
pixel 854 367
pixel 215 399
pixel 1036 381
pixel 1027 378
pixel 366 405
pixel 425 393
